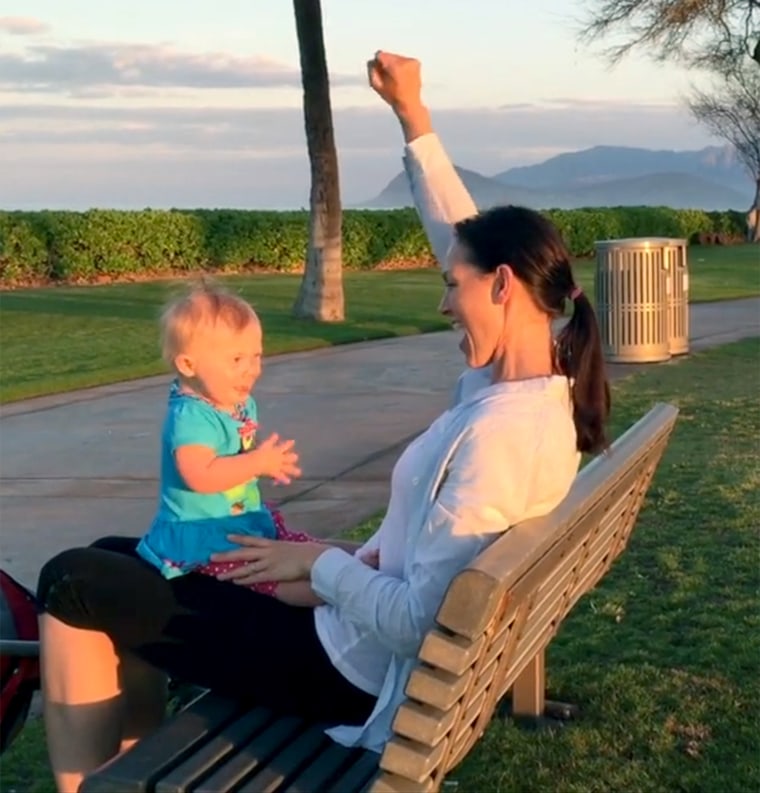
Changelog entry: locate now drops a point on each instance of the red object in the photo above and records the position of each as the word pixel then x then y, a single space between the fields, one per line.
pixel 19 675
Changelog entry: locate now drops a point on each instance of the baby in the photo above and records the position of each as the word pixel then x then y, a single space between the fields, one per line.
pixel 210 457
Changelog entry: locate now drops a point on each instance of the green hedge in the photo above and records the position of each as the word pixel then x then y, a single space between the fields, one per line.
pixel 102 244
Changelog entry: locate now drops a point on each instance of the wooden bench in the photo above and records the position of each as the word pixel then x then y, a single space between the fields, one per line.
pixel 492 630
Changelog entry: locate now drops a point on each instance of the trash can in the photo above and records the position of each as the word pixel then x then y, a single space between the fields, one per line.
pixel 631 299
pixel 675 262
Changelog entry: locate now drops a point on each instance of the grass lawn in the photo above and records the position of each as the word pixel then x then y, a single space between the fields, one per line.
pixel 664 656
pixel 61 338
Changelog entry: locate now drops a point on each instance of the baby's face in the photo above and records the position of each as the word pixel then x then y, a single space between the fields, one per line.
pixel 226 363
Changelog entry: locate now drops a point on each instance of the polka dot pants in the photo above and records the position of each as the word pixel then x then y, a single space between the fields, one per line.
pixel 283 533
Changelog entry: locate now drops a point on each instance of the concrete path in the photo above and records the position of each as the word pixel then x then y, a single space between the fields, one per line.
pixel 81 465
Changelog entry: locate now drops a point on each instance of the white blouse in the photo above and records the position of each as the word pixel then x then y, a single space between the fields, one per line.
pixel 503 453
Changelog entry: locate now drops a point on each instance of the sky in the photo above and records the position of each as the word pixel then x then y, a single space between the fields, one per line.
pixel 198 104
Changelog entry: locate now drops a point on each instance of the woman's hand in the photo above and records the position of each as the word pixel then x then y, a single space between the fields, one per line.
pixel 269 560
pixel 396 79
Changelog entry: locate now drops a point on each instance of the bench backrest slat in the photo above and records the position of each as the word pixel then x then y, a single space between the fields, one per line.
pixel 504 608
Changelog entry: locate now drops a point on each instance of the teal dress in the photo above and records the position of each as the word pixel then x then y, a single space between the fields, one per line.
pixel 190 526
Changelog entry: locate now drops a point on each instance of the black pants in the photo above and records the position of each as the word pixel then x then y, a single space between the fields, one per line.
pixel 202 631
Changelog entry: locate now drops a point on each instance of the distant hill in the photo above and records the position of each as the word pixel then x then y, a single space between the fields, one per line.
pixel 711 178
pixel 609 163
pixel 486 192
pixel 677 190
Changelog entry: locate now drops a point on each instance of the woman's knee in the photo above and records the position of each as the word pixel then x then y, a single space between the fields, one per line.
pixel 58 582
pixel 117 544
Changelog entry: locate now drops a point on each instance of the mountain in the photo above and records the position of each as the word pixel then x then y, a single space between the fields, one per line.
pixel 486 192
pixel 676 190
pixel 711 178
pixel 609 163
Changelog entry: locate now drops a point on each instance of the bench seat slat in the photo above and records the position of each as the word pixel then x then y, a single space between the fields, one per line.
pixel 411 759
pixel 225 743
pixel 392 783
pixel 424 723
pixel 464 741
pixel 333 761
pixel 471 714
pixel 179 738
pixel 289 761
pixel 454 654
pixel 359 776
pixel 525 653
pixel 436 687
pixel 253 756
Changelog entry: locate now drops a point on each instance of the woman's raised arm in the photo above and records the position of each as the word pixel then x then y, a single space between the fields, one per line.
pixel 438 192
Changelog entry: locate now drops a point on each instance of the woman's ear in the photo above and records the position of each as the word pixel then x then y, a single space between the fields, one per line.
pixel 503 283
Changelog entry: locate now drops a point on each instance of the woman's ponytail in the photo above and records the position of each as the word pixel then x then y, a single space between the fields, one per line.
pixel 580 358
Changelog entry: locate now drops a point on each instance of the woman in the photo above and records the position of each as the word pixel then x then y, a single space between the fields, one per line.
pixel 506 451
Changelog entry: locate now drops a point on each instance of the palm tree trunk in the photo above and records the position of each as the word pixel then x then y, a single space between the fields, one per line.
pixel 321 293
pixel 753 216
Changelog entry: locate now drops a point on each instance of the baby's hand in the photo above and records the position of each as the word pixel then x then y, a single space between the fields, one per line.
pixel 371 558
pixel 276 459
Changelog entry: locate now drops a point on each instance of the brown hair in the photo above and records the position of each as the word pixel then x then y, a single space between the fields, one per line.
pixel 532 246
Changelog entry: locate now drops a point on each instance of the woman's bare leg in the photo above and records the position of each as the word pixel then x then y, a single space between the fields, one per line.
pixel 82 700
pixel 95 703
pixel 144 691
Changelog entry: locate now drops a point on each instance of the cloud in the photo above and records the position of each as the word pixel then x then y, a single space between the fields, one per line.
pixel 518 106
pixel 586 104
pixel 98 68
pixel 22 26
pixel 542 126
pixel 80 155
pixel 606 104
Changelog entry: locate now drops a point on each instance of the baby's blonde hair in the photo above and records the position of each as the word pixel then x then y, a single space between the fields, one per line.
pixel 201 308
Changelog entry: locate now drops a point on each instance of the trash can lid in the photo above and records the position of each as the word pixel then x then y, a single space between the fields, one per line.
pixel 640 242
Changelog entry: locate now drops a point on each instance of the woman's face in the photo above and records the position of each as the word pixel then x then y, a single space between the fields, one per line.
pixel 475 303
